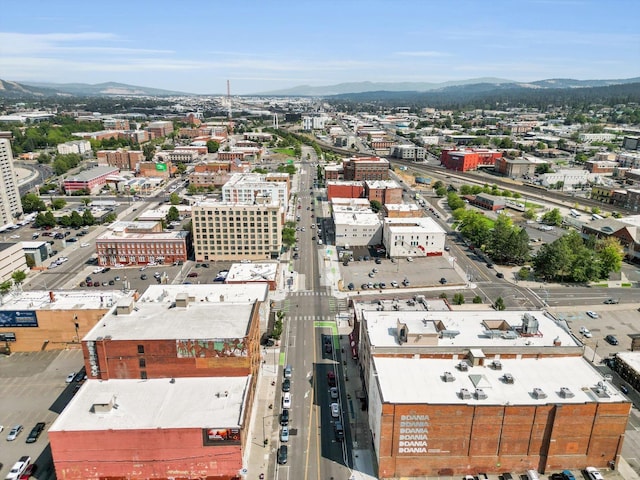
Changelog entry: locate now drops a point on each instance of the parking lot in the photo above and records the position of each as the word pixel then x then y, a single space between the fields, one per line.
pixel 421 272
pixel 34 390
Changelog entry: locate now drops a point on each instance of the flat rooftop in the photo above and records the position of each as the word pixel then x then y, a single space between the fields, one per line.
pixel 253 272
pixel 213 311
pixel 152 404
pixel 411 224
pixel 471 329
pixel 33 300
pixel 409 380
pixel 147 236
pixel 630 358
pixel 380 184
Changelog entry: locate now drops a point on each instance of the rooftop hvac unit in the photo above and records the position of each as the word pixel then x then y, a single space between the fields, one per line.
pixel 449 333
pixel 508 378
pixel 465 394
pixel 497 365
pixel 481 394
pixel 492 333
pixel 529 324
pixel 509 335
pixel 538 393
pixel 566 393
pixel 463 366
pixel 447 377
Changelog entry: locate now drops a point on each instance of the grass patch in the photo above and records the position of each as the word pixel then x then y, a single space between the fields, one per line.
pixel 625 285
pixel 601 285
pixel 284 151
pixel 532 205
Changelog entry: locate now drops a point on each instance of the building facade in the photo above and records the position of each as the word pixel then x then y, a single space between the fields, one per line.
pixel 79 147
pixel 91 180
pixel 365 168
pixel 122 159
pixel 10 201
pixel 468 159
pixel 12 259
pixel 247 187
pixel 356 224
pixel 231 230
pixel 141 243
pixel 419 237
pixel 383 191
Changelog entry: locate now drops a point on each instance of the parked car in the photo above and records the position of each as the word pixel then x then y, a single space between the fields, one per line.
pixel 585 332
pixel 13 434
pixel 567 475
pixel 500 275
pixel 611 301
pixel 29 471
pixel 624 389
pixel 335 410
pixel 331 378
pixel 284 418
pixel 611 339
pixel 35 432
pixel 351 286
pixel 282 454
pixel 71 376
pixel 333 393
pixel 192 275
pixel 143 276
pixel 286 400
pixel 339 431
pixel 592 314
pixel 18 468
pixel 409 259
pixel 593 473
pixel 288 371
pixel 286 385
pixel 284 434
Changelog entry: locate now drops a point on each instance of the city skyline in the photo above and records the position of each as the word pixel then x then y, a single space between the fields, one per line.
pixel 196 47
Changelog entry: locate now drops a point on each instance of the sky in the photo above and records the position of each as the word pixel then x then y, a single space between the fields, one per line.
pixel 267 45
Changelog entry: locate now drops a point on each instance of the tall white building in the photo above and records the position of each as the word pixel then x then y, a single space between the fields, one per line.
pixel 247 187
pixel 10 202
pixel 76 146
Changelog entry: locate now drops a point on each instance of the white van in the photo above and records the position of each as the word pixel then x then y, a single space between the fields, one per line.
pixel 533 475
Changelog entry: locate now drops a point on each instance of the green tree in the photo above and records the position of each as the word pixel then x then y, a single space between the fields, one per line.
pixel 475 227
pixel 609 254
pixel 543 168
pixel 181 168
pixel 441 192
pixel 289 236
pixel 58 203
pixel 477 299
pixel 173 214
pixel 32 203
pixel 212 146
pixel 175 199
pixel 18 277
pixel 552 217
pixel 375 205
pixel 75 219
pixel 529 214
pixel 110 218
pixel 5 287
pixel 438 184
pixel 499 304
pixel 88 218
pixel 454 201
pixel 149 151
pixel 458 299
pixel 45 220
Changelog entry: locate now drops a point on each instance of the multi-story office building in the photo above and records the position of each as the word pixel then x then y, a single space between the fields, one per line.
pixel 366 168
pixel 77 146
pixel 408 152
pixel 232 230
pixel 161 128
pixel 247 187
pixel 141 243
pixel 10 202
pixel 123 159
pixel 12 259
pixel 91 180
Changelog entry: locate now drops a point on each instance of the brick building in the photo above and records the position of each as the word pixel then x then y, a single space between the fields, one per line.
pixel 333 172
pixel 487 201
pixel 344 189
pixel 601 166
pixel 402 210
pixel 157 169
pixel 468 159
pixel 91 180
pixel 122 159
pixel 383 191
pixel 140 243
pixel 466 391
pixel 160 128
pixel 53 320
pixel 365 168
pixel 515 167
pixel 171 387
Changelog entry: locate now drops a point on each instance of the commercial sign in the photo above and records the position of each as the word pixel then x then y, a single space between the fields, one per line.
pixel 7 337
pixel 161 167
pixel 221 436
pixel 18 318
pixel 414 431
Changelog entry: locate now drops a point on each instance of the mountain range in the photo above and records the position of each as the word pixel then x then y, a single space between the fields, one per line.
pixel 10 89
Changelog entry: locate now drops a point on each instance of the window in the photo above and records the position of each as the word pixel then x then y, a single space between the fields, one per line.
pixel 143 375
pixel 142 362
pixel 140 348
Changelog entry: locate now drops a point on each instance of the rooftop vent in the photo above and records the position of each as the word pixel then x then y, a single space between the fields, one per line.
pixel 182 300
pixel 447 377
pixel 463 366
pixel 566 393
pixel 464 394
pixel 481 394
pixel 449 333
pixel 538 393
pixel 496 365
pixel 509 335
pixel 529 324
pixel 508 378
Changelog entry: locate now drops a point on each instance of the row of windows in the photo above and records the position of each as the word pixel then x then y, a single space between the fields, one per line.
pixel 225 236
pixel 244 213
pixel 231 224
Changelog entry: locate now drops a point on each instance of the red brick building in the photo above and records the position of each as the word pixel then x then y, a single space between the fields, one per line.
pixel 141 243
pixel 123 159
pixel 171 387
pixel 383 191
pixel 343 189
pixel 90 180
pixel 365 168
pixel 468 159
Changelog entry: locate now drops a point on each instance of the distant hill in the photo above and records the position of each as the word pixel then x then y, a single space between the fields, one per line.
pixel 89 90
pixel 18 90
pixel 362 87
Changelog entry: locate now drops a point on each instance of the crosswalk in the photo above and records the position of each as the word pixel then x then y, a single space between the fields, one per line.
pixel 309 293
pixel 290 303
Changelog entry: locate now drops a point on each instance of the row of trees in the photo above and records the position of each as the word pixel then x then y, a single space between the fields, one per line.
pixel 570 258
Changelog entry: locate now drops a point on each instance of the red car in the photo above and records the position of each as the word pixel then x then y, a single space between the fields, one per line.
pixel 331 378
pixel 192 275
pixel 31 469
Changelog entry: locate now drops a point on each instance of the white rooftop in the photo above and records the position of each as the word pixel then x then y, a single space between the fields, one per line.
pixel 213 311
pixel 343 215
pixel 402 207
pixel 411 224
pixel 410 380
pixel 378 184
pixel 115 234
pixel 471 328
pixel 630 358
pixel 253 272
pixel 62 300
pixel 154 404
